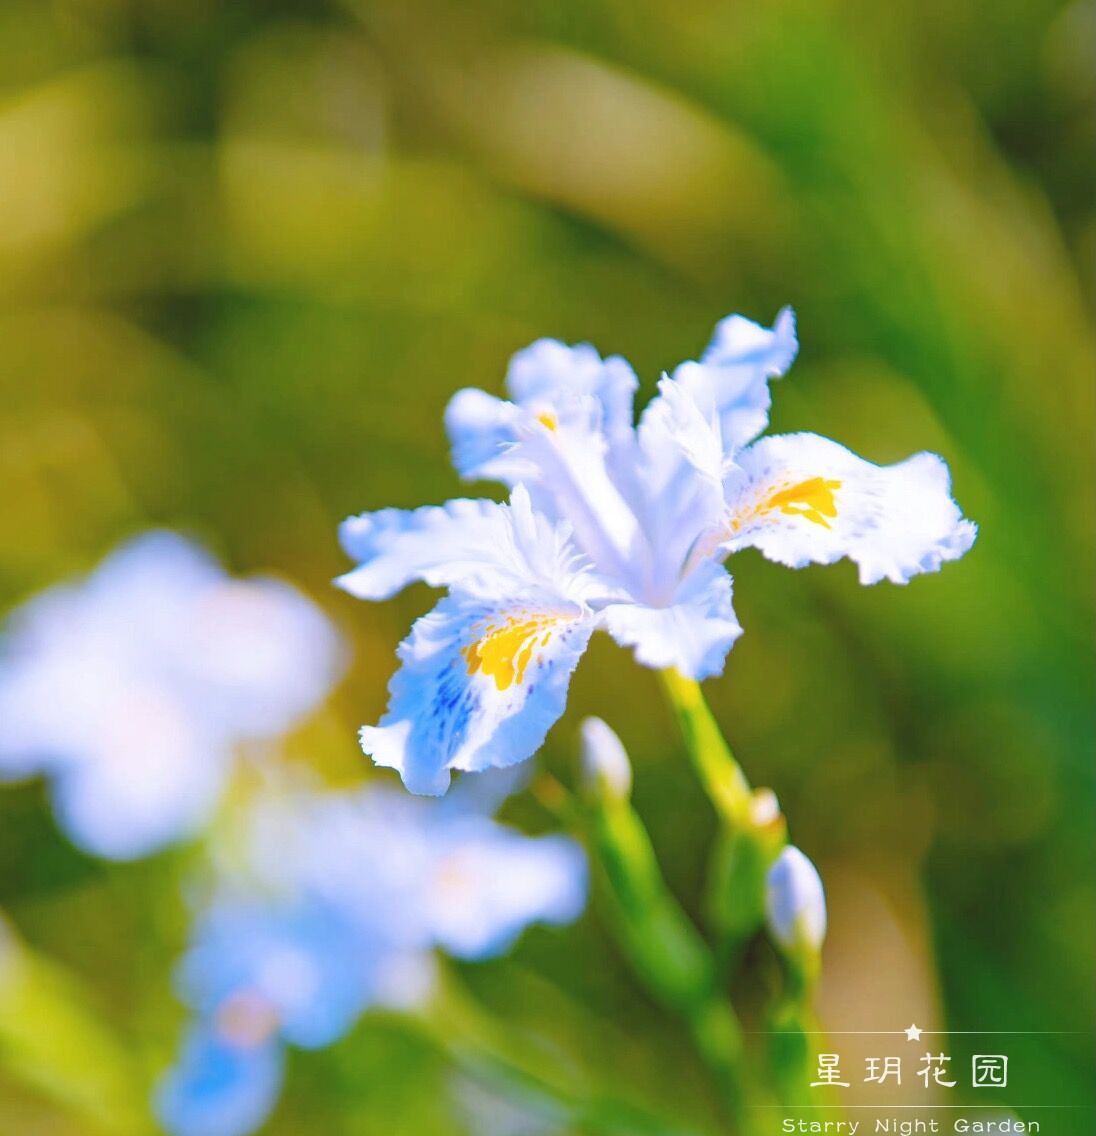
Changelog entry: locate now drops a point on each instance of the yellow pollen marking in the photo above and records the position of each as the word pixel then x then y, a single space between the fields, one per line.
pixel 812 500
pixel 505 650
pixel 548 420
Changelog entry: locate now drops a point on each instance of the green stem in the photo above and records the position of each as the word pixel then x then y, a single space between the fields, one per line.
pixel 792 1052
pixel 664 948
pixel 752 833
pixel 719 772
pixel 752 830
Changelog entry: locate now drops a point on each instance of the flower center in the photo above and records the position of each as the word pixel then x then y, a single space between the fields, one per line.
pixel 246 1019
pixel 504 650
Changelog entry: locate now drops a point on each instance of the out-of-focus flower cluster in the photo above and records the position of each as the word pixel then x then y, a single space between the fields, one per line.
pixel 132 688
pixel 331 903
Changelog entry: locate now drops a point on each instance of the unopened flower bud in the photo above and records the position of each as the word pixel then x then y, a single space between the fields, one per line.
pixel 605 765
pixel 795 904
pixel 764 808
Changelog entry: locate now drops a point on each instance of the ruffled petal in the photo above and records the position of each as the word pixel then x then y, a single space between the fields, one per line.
pixel 440 544
pixel 677 426
pixel 218 1087
pixel 692 634
pixel 481 683
pixel 801 498
pixel 734 372
pixel 484 547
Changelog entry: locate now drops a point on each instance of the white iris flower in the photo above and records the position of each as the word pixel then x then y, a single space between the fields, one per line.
pixel 619 526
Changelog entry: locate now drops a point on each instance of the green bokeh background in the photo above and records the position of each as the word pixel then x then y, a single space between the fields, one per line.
pixel 248 251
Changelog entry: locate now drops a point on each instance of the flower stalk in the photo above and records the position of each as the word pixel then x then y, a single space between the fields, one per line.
pixel 757 879
pixel 715 764
pixel 662 945
pixel 752 828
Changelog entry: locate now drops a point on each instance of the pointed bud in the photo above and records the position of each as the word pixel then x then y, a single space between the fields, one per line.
pixel 795 904
pixel 605 765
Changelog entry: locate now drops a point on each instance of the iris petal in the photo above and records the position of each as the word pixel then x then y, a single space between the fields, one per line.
pixel 801 498
pixel 693 633
pixel 218 1088
pixel 734 372
pixel 480 685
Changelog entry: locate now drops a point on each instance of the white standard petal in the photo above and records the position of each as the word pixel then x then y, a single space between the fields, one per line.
pixel 548 374
pixel 693 633
pixel 679 483
pixel 546 380
pixel 481 684
pixel 734 372
pixel 572 480
pixel 481 430
pixel 801 498
pixel 442 545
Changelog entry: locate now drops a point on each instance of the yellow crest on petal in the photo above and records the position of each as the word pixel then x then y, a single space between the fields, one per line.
pixel 811 499
pixel 505 650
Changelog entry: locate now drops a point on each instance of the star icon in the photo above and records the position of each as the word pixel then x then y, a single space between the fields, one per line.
pixel 913 1034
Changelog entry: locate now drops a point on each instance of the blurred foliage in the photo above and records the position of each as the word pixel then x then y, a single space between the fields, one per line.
pixel 247 252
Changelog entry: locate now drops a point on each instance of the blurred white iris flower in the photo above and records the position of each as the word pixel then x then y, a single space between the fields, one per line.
pixel 131 688
pixel 618 527
pixel 335 904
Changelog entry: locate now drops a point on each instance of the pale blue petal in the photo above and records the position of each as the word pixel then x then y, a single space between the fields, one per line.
pixel 547 381
pixel 357 854
pixel 483 793
pixel 801 498
pixel 448 711
pixel 218 1088
pixel 489 883
pixel 548 374
pixel 734 372
pixel 302 959
pixel 692 634
pixel 567 445
pixel 482 431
